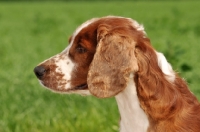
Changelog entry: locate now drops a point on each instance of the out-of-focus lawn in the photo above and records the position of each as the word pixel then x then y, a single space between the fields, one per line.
pixel 32 32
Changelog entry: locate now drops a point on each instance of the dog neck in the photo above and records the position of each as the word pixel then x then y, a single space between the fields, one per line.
pixel 133 118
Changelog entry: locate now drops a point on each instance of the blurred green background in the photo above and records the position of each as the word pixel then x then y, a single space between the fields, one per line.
pixel 31 32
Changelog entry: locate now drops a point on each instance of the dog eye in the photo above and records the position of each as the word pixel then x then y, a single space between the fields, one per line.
pixel 80 49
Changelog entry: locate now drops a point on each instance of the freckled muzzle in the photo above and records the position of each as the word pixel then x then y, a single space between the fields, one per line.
pixel 48 76
pixel 55 74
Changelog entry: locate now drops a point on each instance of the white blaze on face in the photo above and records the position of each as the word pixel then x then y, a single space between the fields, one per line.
pixel 64 66
pixel 77 31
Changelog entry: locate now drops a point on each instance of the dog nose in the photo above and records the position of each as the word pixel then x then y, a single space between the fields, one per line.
pixel 39 71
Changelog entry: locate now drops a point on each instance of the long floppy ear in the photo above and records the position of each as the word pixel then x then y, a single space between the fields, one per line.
pixel 113 61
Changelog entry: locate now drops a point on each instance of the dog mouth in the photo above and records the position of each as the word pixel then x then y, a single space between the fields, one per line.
pixel 81 87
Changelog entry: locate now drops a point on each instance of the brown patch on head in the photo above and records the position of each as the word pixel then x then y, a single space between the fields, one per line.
pixel 82 52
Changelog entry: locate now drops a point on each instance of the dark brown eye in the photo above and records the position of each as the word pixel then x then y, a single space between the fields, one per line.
pixel 80 49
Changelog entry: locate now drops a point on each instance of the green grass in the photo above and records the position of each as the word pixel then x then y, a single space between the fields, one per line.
pixel 32 32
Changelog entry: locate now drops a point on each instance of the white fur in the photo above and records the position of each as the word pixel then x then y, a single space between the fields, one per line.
pixel 165 67
pixel 65 66
pixel 85 24
pixel 133 117
pixel 136 25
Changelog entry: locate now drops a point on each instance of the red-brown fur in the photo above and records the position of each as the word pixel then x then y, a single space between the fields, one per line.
pixel 114 49
pixel 170 106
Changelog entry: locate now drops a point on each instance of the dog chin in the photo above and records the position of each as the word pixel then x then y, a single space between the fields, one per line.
pixel 81 89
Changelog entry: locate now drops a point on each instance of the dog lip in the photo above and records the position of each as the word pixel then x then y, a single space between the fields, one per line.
pixel 81 87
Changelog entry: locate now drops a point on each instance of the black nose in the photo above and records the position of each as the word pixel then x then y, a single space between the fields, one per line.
pixel 39 71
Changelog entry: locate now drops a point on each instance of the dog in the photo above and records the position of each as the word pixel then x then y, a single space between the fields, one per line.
pixel 112 57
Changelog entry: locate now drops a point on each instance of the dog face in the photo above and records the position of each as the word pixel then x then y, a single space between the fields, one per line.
pixel 100 56
pixel 67 71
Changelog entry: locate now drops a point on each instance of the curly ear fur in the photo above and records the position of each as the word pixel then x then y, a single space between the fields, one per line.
pixel 155 90
pixel 113 61
pixel 162 93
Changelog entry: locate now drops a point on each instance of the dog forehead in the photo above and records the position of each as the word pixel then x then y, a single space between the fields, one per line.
pixel 96 21
pixel 89 26
pixel 82 26
pixel 112 21
pixel 76 32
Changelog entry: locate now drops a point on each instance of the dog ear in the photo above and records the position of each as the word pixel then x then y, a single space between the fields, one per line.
pixel 113 62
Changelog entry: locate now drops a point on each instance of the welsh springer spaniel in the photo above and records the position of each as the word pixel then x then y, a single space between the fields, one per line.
pixel 112 56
